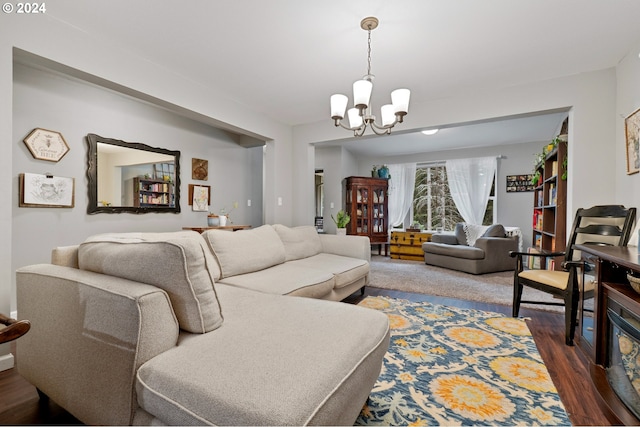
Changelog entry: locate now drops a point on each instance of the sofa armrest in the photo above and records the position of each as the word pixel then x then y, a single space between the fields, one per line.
pixel 351 246
pixel 500 245
pixel 89 335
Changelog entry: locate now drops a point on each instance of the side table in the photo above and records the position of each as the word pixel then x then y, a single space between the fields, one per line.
pixel 232 227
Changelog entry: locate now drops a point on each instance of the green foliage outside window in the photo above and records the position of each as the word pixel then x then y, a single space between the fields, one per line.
pixel 433 206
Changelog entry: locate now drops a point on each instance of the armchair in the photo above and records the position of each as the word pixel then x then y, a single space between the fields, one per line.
pixel 602 225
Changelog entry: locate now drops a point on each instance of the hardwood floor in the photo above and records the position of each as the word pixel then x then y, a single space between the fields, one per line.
pixel 19 402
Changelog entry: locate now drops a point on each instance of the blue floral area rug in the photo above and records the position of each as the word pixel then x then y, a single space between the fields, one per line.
pixel 451 366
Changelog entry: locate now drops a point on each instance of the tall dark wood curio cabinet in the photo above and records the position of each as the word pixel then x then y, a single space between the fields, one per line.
pixel 366 203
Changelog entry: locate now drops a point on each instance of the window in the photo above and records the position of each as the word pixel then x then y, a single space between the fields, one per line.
pixel 433 206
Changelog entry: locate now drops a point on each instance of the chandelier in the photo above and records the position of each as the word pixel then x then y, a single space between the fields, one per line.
pixel 360 115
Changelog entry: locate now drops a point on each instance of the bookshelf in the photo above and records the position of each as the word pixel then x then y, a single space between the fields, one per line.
pixel 550 207
pixel 152 192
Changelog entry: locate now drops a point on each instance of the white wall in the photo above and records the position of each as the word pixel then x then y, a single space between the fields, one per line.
pixel 337 164
pixel 44 99
pixel 627 101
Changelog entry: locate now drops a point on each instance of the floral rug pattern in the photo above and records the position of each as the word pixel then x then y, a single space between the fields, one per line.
pixel 452 366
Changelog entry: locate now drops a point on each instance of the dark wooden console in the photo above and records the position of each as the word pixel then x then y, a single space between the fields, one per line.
pixel 607 267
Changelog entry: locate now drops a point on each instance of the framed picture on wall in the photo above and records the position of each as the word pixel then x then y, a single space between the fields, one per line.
pixel 46 191
pixel 200 197
pixel 632 142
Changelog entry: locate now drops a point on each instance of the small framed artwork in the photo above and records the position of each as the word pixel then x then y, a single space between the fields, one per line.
pixel 632 142
pixel 519 183
pixel 46 191
pixel 46 145
pixel 199 197
pixel 200 169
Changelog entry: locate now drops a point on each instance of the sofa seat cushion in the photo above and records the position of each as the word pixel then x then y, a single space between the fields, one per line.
pixel 299 242
pixel 456 251
pixel 346 270
pixel 294 361
pixel 180 263
pixel 245 251
pixel 286 279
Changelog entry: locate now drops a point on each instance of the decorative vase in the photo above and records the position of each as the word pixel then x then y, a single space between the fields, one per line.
pixel 223 220
pixel 383 172
pixel 213 220
pixel 341 231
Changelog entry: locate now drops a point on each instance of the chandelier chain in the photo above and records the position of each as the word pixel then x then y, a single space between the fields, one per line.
pixel 369 53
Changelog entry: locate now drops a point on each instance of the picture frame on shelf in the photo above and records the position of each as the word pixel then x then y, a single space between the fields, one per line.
pixel 46 191
pixel 632 142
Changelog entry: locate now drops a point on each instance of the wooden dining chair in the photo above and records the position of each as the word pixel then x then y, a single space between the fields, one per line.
pixel 602 225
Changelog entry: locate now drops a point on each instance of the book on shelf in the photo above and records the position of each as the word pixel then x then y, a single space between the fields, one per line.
pixel 537 241
pixel 554 168
pixel 533 262
pixel 552 194
pixel 551 264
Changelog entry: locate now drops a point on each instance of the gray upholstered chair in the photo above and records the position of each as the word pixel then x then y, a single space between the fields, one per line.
pixel 486 254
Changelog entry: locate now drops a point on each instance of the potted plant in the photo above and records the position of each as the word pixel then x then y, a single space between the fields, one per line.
pixel 341 220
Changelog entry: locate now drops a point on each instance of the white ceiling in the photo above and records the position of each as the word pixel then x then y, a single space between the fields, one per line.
pixel 285 58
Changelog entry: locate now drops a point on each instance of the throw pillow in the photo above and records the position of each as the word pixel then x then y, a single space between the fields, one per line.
pixel 299 242
pixel 460 233
pixel 178 262
pixel 495 230
pixel 473 231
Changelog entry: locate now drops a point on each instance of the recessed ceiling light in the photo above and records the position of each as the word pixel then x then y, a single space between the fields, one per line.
pixel 430 131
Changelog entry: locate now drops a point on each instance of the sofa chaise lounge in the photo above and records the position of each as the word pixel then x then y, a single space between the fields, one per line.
pixel 139 328
pixel 462 251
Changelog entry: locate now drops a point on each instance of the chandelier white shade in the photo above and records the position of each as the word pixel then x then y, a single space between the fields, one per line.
pixel 359 115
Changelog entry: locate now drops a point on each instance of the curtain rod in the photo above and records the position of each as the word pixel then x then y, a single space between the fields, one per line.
pixel 442 162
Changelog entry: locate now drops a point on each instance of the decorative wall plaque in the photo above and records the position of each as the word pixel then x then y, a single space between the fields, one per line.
pixel 199 169
pixel 46 145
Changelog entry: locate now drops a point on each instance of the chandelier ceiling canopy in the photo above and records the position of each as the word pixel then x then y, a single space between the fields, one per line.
pixel 360 115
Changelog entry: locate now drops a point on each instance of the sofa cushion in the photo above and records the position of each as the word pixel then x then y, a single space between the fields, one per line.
pixel 299 242
pixel 294 361
pixel 245 251
pixel 454 251
pixel 495 230
pixel 179 263
pixel 346 270
pixel 286 279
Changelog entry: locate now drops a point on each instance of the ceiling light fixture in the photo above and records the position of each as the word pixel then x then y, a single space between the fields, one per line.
pixel 430 131
pixel 359 115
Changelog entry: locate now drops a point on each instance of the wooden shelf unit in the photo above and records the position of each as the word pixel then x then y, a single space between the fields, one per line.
pixel 366 203
pixel 550 204
pixel 152 192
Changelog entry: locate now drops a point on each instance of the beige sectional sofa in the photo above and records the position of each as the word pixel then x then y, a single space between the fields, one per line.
pixel 170 328
pixel 291 261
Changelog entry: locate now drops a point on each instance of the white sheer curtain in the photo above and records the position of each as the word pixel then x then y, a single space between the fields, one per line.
pixel 470 183
pixel 401 184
